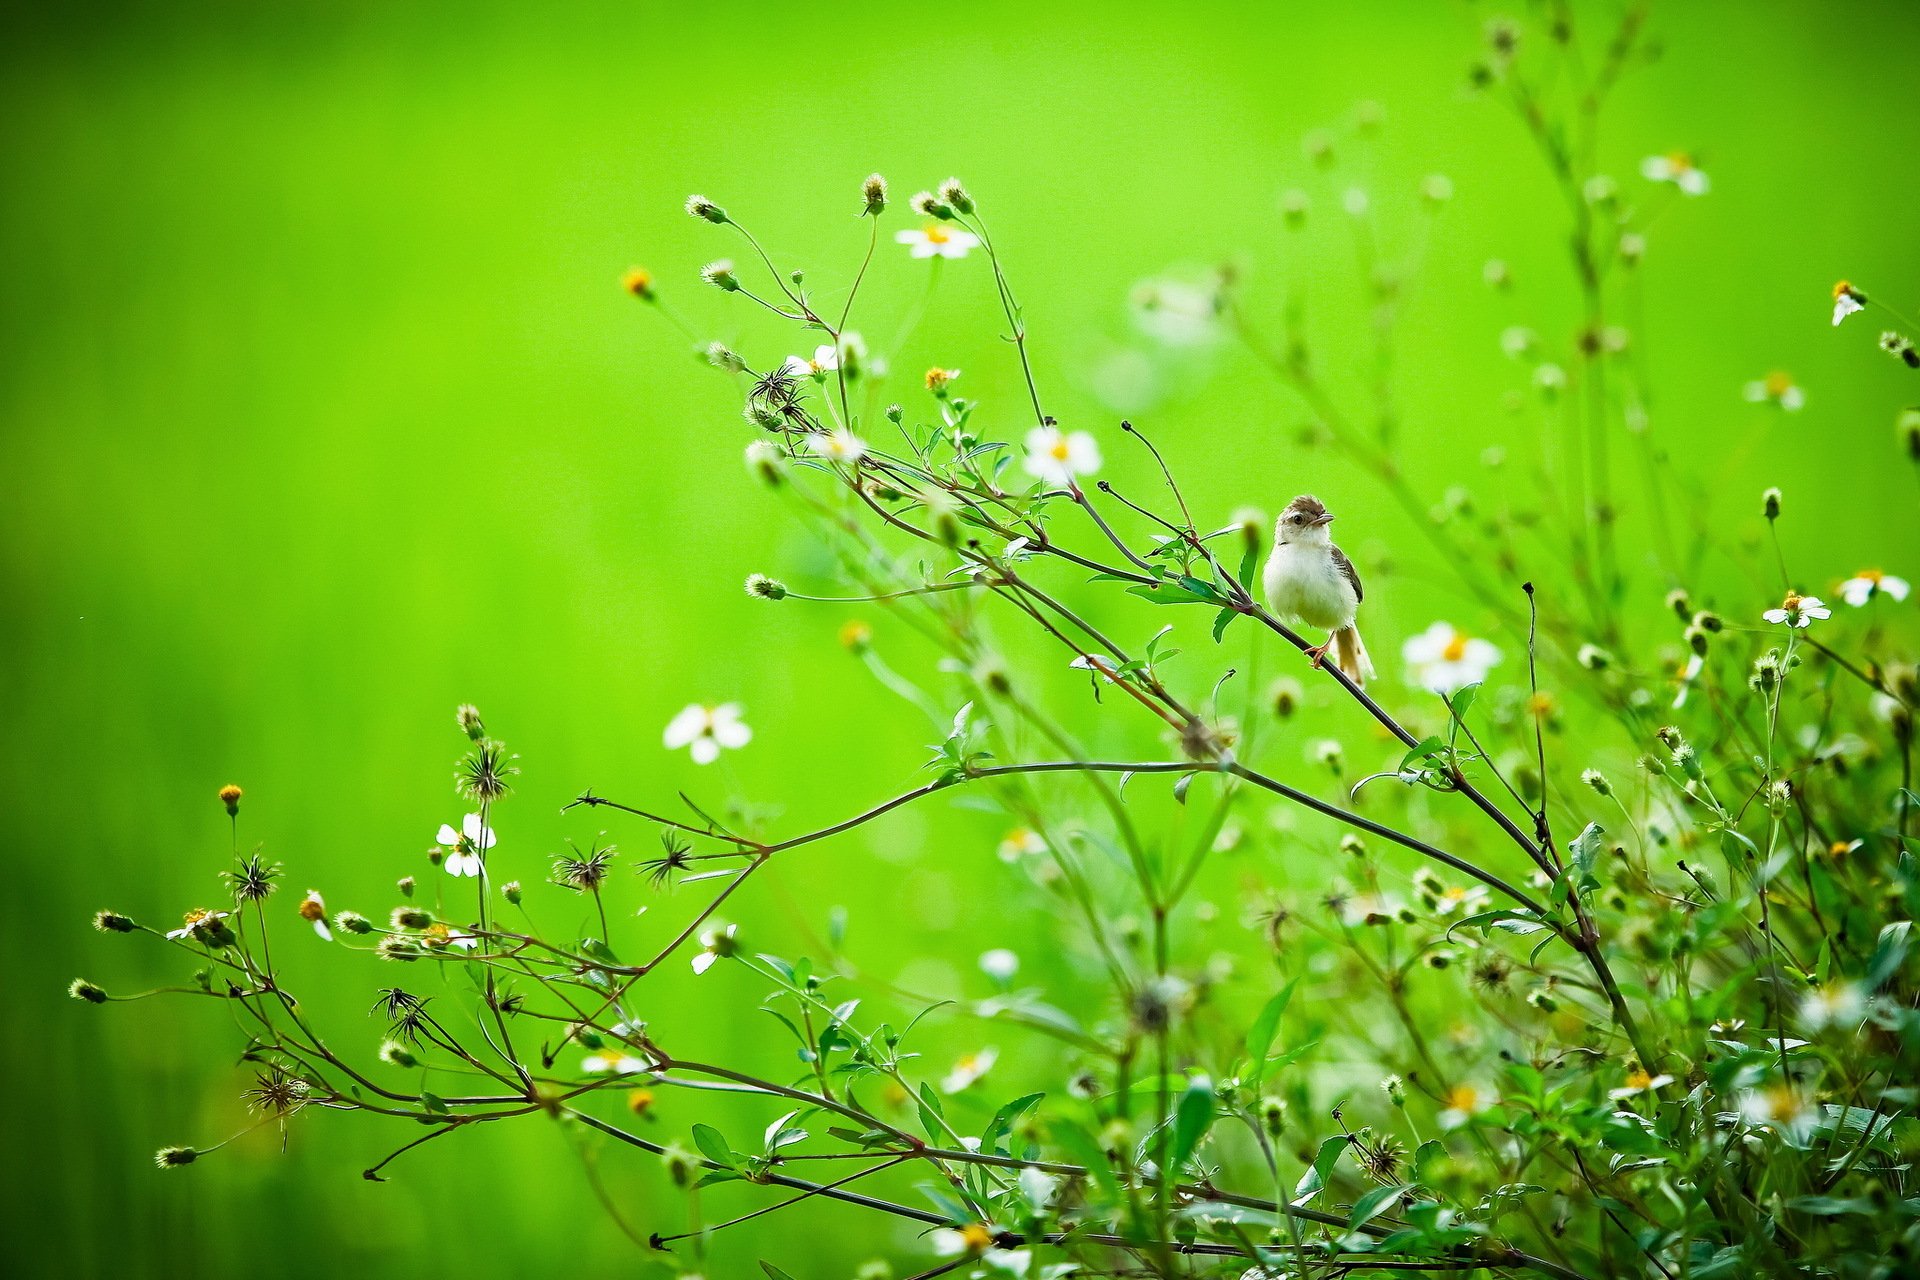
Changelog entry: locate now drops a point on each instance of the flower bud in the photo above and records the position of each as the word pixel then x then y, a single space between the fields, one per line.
pixel 175 1157
pixel 680 1165
pixel 927 206
pixel 956 195
pixel 352 922
pixel 761 587
pixel 1696 638
pixel 1770 504
pixel 1598 781
pixel 722 357
pixel 1908 425
pixel 639 282
pixel 405 885
pixel 396 1054
pixel 113 922
pixel 230 797
pixel 766 463
pixel 1594 658
pixel 1396 1090
pixel 1285 696
pixel 1542 1001
pixel 874 192
pixel 410 918
pixel 701 207
pixel 719 274
pixel 81 989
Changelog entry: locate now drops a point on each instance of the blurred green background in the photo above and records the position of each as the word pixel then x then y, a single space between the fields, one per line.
pixel 323 411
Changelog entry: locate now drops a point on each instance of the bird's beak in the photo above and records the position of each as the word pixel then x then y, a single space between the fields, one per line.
pixel 1323 519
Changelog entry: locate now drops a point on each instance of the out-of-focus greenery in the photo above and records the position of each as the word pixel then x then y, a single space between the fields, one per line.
pixel 323 412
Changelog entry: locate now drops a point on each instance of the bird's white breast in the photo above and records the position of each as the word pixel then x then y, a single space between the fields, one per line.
pixel 1303 582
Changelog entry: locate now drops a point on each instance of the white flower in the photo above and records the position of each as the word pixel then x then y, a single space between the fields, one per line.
pixel 313 908
pixel 1798 611
pixel 1637 1083
pixel 972 1240
pixel 196 919
pixel 969 1069
pixel 826 359
pixel 999 964
pixel 838 446
pixel 1057 456
pixel 612 1064
pixel 1781 1108
pixel 1688 674
pixel 1846 301
pixel 1444 660
pixel 1678 168
pixel 1178 312
pixel 1020 842
pixel 1456 900
pixel 715 943
pixel 1464 1102
pixel 1868 583
pixel 465 846
pixel 704 730
pixel 937 240
pixel 1778 387
pixel 1369 909
pixel 1838 1004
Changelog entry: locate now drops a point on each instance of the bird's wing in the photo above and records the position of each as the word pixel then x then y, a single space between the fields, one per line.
pixel 1345 566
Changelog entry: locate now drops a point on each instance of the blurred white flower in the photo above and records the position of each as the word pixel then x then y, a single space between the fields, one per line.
pixel 612 1064
pixel 937 240
pixel 1021 842
pixel 465 846
pixel 1778 387
pixel 1846 301
pixel 1637 1083
pixel 1868 583
pixel 999 964
pixel 460 940
pixel 1798 611
pixel 704 730
pixel 1781 1108
pixel 1455 900
pixel 1463 1103
pixel 826 358
pixel 1678 168
pixel 838 446
pixel 1688 674
pixel 968 1070
pixel 1057 456
pixel 715 943
pixel 1442 659
pixel 1179 313
pixel 1837 1004
pixel 313 909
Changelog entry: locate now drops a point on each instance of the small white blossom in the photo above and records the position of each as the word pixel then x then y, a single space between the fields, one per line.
pixel 968 1070
pixel 1444 660
pixel 715 943
pixel 838 446
pixel 465 846
pixel 1056 457
pixel 1678 168
pixel 999 964
pixel 1464 1102
pixel 1868 583
pixel 1637 1083
pixel 1838 1004
pixel 612 1064
pixel 1798 611
pixel 1846 301
pixel 313 908
pixel 937 240
pixel 705 730
pixel 1781 1108
pixel 826 358
pixel 1021 842
pixel 1780 389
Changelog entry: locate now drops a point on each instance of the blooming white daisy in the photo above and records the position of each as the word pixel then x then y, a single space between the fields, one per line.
pixel 1056 457
pixel 1678 168
pixel 937 240
pixel 314 910
pixel 999 964
pixel 465 846
pixel 826 358
pixel 704 730
pixel 1798 611
pixel 1463 1103
pixel 968 1070
pixel 838 446
pixel 1868 583
pixel 1638 1081
pixel 1021 842
pixel 715 943
pixel 1846 301
pixel 1443 659
pixel 1837 1004
pixel 1778 387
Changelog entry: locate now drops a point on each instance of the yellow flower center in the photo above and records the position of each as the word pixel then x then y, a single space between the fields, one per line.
pixel 1872 575
pixel 1456 648
pixel 1680 161
pixel 1638 1079
pixel 1841 290
pixel 1540 703
pixel 1059 450
pixel 1839 849
pixel 1778 384
pixel 937 234
pixel 1792 603
pixel 311 909
pixel 1463 1097
pixel 1780 1104
pixel 976 1237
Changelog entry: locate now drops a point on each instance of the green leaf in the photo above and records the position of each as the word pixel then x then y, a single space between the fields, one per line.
pixel 773 1272
pixel 1374 1203
pixel 1462 700
pixel 1192 1119
pixel 1265 1026
pixel 1315 1179
pixel 1830 1206
pixel 1221 621
pixel 713 1145
pixel 1586 849
pixel 1889 953
pixel 1086 1150
pixel 433 1103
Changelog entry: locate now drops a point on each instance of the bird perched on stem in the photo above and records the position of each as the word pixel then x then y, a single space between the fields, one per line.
pixel 1309 580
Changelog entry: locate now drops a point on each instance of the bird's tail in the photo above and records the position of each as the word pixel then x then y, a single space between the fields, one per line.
pixel 1351 656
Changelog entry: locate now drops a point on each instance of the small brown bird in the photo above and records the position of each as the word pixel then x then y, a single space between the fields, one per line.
pixel 1308 579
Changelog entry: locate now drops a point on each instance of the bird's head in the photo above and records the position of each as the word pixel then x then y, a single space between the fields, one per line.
pixel 1304 521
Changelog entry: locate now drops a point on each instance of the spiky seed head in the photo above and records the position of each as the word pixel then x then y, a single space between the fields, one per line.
pixel 175 1157
pixel 352 922
pixel 719 274
pixel 404 917
pixel 396 948
pixel 483 773
pixel 722 357
pixel 701 207
pixel 956 195
pixel 874 192
pixel 92 993
pixel 113 922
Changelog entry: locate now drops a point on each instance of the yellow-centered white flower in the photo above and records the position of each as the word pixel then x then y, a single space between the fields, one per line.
pixel 1444 659
pixel 937 240
pixel 1868 583
pixel 704 730
pixel 839 445
pixel 464 847
pixel 1056 457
